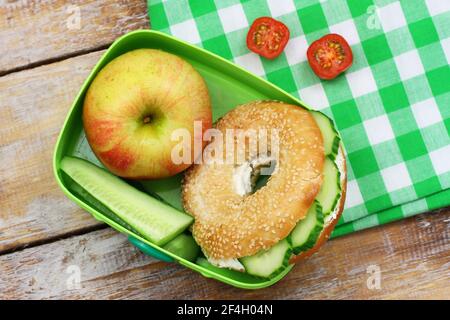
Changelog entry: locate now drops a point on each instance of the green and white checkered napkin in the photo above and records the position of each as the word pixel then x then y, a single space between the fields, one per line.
pixel 392 107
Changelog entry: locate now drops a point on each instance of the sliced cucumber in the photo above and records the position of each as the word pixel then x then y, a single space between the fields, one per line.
pixel 331 187
pixel 330 136
pixel 268 263
pixel 307 231
pixel 183 246
pixel 154 220
pixel 87 197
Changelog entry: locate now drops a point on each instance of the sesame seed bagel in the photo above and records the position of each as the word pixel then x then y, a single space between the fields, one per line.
pixel 231 223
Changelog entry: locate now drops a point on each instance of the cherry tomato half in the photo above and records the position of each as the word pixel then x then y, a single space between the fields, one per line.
pixel 329 56
pixel 267 37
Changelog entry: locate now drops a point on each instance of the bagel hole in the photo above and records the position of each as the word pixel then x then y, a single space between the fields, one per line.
pixel 253 175
pixel 261 175
pixel 261 181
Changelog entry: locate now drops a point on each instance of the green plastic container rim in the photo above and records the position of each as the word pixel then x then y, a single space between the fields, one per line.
pixel 138 241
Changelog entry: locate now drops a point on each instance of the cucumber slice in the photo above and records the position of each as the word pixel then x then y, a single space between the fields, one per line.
pixel 305 234
pixel 152 219
pixel 330 136
pixel 268 263
pixel 331 187
pixel 83 194
pixel 183 246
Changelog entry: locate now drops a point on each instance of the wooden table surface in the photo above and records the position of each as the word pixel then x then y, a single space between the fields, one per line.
pixel 44 236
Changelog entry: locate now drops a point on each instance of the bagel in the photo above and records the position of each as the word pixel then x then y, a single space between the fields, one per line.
pixel 230 222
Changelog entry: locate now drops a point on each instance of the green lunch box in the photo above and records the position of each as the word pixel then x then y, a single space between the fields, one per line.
pixel 229 85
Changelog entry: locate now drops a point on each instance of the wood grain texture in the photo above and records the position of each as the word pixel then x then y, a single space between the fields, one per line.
pixel 33 106
pixel 413 255
pixel 32 31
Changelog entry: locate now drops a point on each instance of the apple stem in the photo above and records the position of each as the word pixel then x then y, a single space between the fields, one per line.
pixel 147 119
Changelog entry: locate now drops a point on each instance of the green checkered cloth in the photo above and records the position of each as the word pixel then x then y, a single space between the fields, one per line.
pixel 392 107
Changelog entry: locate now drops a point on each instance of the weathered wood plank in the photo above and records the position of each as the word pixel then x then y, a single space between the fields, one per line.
pixel 413 255
pixel 33 105
pixel 34 31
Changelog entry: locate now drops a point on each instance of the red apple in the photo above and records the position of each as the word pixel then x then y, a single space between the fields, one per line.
pixel 134 105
